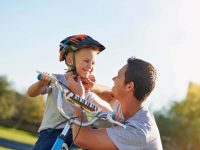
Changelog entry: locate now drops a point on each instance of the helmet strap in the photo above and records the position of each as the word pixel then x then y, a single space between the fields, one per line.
pixel 73 66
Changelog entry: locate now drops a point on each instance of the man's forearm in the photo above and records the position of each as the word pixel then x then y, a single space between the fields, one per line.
pixel 80 115
pixel 103 92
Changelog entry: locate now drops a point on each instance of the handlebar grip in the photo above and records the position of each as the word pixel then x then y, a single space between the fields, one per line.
pixel 112 116
pixel 39 77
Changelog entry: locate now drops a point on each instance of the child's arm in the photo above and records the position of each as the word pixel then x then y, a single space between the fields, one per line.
pixel 37 88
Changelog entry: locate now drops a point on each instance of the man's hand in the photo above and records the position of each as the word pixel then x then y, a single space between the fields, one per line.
pixel 76 86
pixel 89 82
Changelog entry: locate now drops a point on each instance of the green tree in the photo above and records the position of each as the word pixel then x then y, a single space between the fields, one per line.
pixel 7 99
pixel 30 110
pixel 33 109
pixel 180 126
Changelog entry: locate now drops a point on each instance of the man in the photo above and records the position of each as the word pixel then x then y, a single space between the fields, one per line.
pixel 133 84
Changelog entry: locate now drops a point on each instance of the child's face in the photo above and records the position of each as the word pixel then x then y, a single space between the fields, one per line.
pixel 85 61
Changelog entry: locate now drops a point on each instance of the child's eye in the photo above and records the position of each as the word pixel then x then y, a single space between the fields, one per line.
pixel 86 61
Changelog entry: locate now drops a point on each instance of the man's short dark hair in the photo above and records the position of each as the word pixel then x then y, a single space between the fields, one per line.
pixel 143 74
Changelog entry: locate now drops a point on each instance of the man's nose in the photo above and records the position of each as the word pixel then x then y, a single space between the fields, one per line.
pixel 113 78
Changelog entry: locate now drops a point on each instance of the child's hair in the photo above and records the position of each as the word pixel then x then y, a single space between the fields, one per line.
pixel 76 42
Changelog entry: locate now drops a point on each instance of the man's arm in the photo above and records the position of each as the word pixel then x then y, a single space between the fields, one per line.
pixel 85 136
pixel 103 92
pixel 91 138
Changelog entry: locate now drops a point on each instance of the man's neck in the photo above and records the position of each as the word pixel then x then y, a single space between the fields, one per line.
pixel 130 107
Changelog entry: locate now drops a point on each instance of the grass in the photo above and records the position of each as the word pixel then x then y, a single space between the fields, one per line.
pixel 17 135
pixel 3 148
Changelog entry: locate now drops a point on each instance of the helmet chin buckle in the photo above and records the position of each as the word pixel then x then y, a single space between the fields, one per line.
pixel 73 70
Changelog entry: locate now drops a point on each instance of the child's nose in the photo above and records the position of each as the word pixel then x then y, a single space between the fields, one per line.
pixel 90 67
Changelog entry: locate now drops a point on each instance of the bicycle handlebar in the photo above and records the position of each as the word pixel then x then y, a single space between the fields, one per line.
pixel 101 119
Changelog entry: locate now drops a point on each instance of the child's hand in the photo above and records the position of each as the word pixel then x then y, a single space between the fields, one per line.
pixel 45 81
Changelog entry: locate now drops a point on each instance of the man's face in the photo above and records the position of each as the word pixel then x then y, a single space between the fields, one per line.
pixel 119 86
pixel 85 61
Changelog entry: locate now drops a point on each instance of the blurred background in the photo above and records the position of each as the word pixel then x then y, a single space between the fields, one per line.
pixel 163 32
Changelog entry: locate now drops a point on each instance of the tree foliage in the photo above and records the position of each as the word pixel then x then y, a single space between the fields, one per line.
pixel 7 99
pixel 180 126
pixel 33 109
pixel 19 107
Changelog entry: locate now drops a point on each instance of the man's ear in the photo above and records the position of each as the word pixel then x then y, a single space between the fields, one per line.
pixel 130 86
pixel 69 59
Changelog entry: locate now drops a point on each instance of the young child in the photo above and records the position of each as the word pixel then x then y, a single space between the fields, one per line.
pixel 79 53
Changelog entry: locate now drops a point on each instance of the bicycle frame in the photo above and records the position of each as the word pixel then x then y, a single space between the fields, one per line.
pixel 60 140
pixel 100 120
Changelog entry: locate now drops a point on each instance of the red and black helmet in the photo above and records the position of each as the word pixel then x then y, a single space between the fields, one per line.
pixel 76 42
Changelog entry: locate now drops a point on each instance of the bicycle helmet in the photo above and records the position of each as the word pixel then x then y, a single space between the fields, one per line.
pixel 76 42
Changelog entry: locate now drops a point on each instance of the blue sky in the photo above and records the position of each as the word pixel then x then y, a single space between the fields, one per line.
pixel 163 32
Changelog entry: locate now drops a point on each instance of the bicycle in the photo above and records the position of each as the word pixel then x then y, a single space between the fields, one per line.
pixel 100 120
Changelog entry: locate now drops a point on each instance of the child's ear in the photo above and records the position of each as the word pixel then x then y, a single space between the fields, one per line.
pixel 69 59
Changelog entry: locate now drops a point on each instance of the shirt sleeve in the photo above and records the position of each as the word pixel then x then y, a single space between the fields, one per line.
pixel 129 138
